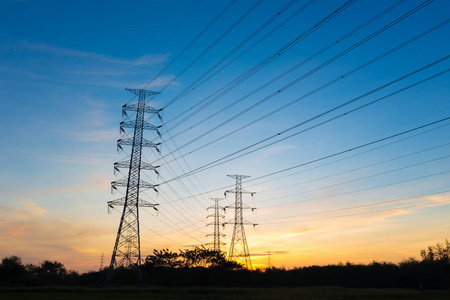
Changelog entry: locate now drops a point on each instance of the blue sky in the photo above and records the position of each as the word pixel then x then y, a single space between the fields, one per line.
pixel 64 67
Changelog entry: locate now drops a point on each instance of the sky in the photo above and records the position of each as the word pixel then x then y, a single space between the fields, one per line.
pixel 337 110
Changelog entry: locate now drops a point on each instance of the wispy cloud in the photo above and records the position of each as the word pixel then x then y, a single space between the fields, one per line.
pixel 35 209
pixel 96 184
pixel 95 113
pixel 92 136
pixel 93 126
pixel 269 252
pixel 80 159
pixel 97 72
pixel 270 152
pixel 437 199
pixel 75 67
pixel 92 78
pixel 88 158
pixel 49 237
pixel 160 81
pixel 148 59
pixel 304 229
pixel 21 210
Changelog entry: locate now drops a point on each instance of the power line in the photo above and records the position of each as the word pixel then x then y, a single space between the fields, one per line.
pixel 356 148
pixel 192 41
pixel 178 229
pixel 354 180
pixel 332 119
pixel 332 162
pixel 210 47
pixel 348 171
pixel 336 42
pixel 242 53
pixel 222 159
pixel 344 151
pixel 365 213
pixel 170 220
pixel 143 191
pixel 390 201
pixel 115 209
pixel 250 72
pixel 323 87
pixel 301 9
pixel 196 83
pixel 176 193
pixel 179 212
pixel 371 188
pixel 185 161
pixel 171 171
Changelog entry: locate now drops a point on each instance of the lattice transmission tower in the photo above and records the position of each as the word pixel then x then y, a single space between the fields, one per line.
pixel 127 249
pixel 239 247
pixel 216 234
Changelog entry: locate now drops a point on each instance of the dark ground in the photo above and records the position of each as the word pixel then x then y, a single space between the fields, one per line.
pixel 316 293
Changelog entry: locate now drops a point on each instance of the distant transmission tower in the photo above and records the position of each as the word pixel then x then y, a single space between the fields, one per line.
pixel 127 248
pixel 239 248
pixel 101 261
pixel 217 234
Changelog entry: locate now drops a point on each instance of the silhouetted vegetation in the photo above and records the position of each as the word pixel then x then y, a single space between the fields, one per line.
pixel 197 257
pixel 13 272
pixel 203 267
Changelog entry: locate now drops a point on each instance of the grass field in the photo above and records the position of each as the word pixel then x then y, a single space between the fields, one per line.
pixel 317 293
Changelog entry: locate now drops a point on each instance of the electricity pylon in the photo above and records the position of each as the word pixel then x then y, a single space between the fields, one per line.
pixel 239 247
pixel 217 234
pixel 101 262
pixel 127 248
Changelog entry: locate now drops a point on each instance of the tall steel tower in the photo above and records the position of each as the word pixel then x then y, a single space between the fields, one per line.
pixel 217 234
pixel 239 247
pixel 127 250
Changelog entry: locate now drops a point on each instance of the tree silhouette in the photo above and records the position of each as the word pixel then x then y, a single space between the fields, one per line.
pixel 439 252
pixel 205 267
pixel 162 259
pixel 12 269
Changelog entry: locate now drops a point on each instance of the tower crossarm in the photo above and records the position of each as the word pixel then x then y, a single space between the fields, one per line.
pixel 129 142
pixel 118 183
pixel 229 222
pixel 244 222
pixel 244 206
pixel 147 185
pixel 126 164
pixel 214 215
pixel 125 183
pixel 213 207
pixel 212 224
pixel 242 192
pixel 212 243
pixel 142 93
pixel 121 202
pixel 145 125
pixel 213 234
pixel 146 109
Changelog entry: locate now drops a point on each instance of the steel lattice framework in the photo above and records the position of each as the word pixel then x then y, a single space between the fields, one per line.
pixel 239 247
pixel 127 251
pixel 217 234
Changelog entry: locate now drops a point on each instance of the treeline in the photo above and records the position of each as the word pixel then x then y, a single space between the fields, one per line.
pixel 204 267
